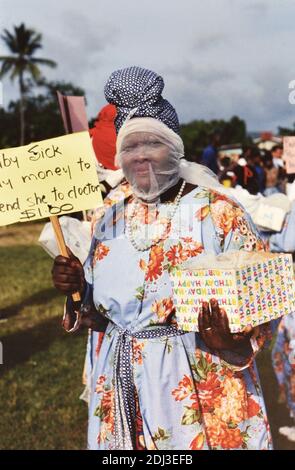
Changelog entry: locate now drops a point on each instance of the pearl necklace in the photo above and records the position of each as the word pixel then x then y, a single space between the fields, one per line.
pixel 143 245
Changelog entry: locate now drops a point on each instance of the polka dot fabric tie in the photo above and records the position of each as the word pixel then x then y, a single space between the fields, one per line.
pixel 139 89
pixel 123 382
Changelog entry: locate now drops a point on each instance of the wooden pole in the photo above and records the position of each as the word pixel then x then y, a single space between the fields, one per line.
pixel 62 246
pixel 68 125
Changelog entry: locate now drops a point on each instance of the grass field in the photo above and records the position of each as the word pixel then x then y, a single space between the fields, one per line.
pixel 40 379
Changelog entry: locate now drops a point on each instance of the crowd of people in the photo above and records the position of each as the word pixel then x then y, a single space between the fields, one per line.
pixel 263 173
pixel 258 171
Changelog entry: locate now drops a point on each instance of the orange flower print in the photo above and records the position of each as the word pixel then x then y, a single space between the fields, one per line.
pixel 220 435
pixel 253 408
pixel 215 196
pixel 231 438
pixel 163 308
pixel 155 265
pixel 101 251
pixel 225 216
pixel 202 213
pixel 215 429
pixel 142 264
pixel 199 354
pixel 100 384
pixel 198 442
pixel 184 389
pixel 105 410
pixel 232 407
pixel 184 250
pixel 191 247
pixel 209 392
pixel 99 343
pixel 176 255
pixel 137 348
pixel 146 215
pixel 107 406
pixel 262 245
pixel 195 403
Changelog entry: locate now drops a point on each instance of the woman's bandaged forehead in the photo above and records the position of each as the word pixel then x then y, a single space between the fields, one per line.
pixel 150 140
pixel 148 143
pixel 153 147
pixel 153 128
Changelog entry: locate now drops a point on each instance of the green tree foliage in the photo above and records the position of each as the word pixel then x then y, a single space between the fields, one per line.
pixel 196 134
pixel 22 64
pixel 43 115
pixel 286 131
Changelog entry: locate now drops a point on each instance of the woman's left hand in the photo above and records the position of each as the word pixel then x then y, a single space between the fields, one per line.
pixel 215 332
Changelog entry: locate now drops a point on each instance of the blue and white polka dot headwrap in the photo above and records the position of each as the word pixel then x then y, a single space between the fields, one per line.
pixel 139 91
pixel 137 95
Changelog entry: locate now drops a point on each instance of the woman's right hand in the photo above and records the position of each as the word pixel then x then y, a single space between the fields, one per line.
pixel 68 274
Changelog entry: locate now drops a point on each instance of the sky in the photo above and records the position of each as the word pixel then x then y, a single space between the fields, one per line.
pixel 218 58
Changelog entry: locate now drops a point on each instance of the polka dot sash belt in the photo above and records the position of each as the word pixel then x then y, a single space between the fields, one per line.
pixel 123 382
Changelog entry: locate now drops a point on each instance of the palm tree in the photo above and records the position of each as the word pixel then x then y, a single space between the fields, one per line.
pixel 23 43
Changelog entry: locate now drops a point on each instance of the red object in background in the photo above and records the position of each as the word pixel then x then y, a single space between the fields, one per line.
pixel 247 175
pixel 266 135
pixel 104 136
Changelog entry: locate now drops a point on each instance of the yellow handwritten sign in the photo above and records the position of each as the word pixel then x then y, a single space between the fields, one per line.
pixel 51 177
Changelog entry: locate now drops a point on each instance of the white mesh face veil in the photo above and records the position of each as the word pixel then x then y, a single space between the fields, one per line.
pixel 151 157
pixel 149 154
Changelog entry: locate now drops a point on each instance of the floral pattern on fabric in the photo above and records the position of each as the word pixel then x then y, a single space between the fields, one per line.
pixel 229 218
pixel 189 397
pixel 100 252
pixel 283 359
pixel 104 409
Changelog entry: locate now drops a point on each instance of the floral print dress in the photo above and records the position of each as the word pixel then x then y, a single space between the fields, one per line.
pixel 187 396
pixel 283 359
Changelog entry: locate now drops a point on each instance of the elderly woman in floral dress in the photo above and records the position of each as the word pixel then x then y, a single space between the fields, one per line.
pixel 153 386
